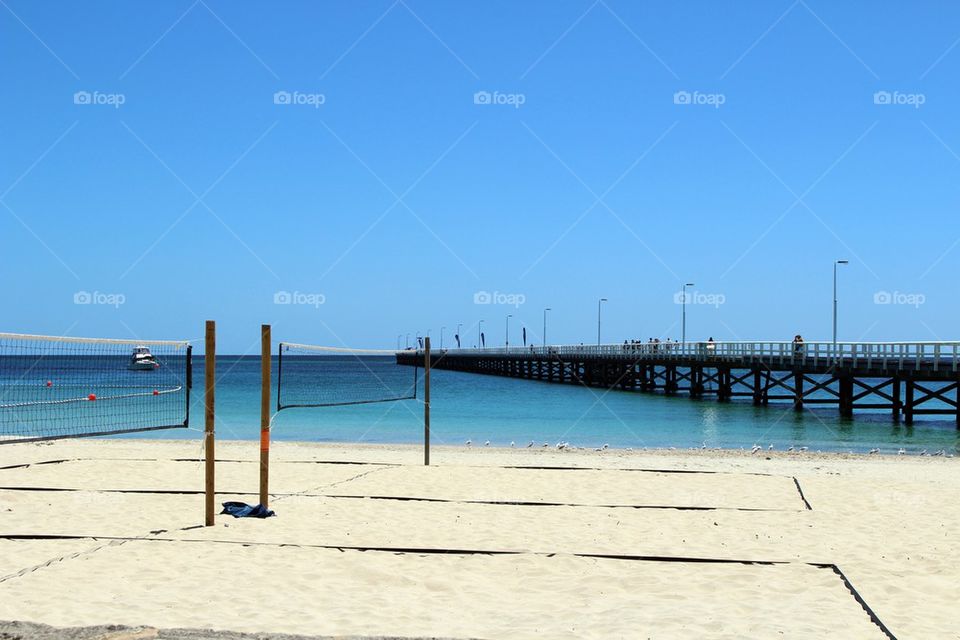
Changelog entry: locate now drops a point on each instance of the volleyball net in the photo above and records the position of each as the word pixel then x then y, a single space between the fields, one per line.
pixel 61 387
pixel 316 376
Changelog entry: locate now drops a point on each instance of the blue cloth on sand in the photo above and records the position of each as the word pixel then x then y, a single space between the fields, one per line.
pixel 244 510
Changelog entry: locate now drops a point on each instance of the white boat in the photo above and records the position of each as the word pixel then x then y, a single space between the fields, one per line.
pixel 142 360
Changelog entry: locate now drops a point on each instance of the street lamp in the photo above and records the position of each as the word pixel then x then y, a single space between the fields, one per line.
pixel 399 337
pixel 506 340
pixel 480 334
pixel 459 337
pixel 441 337
pixel 408 341
pixel 545 325
pixel 601 300
pixel 683 323
pixel 835 263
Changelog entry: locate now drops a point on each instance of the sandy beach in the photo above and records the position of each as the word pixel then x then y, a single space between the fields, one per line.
pixel 485 543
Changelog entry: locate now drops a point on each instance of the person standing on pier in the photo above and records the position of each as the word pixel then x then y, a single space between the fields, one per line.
pixel 798 345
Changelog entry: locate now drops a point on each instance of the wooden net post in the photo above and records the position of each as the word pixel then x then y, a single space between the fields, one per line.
pixel 210 365
pixel 264 414
pixel 426 401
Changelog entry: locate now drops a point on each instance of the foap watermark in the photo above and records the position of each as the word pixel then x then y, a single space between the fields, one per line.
pixel 315 100
pixel 97 98
pixel 510 299
pixel 914 100
pixel 698 297
pixel 299 297
pixel 515 100
pixel 98 297
pixel 714 100
pixel 898 297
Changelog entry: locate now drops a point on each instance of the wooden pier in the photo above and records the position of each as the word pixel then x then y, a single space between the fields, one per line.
pixel 907 379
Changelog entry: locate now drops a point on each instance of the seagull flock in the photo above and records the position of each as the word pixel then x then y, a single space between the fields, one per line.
pixel 563 445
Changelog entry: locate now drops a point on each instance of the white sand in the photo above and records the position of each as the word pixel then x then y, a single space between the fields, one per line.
pixel 888 523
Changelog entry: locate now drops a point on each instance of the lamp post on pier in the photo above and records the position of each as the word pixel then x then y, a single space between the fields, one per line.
pixel 441 337
pixel 835 264
pixel 545 325
pixel 506 339
pixel 599 302
pixel 683 322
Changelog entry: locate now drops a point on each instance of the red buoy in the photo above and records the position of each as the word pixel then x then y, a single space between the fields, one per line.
pixel 155 392
pixel 92 397
pixel 49 383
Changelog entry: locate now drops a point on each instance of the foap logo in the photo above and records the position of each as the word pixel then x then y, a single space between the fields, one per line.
pixel 96 98
pixel 714 100
pixel 897 98
pixel 97 297
pixel 511 299
pixel 698 297
pixel 898 297
pixel 515 100
pixel 299 297
pixel 314 100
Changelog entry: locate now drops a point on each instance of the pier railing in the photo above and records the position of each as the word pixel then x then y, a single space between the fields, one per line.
pixel 938 356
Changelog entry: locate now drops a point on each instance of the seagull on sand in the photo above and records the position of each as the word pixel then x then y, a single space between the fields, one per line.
pixel 562 445
pixel 546 444
pixel 874 450
pixel 770 448
pixel 512 443
pixel 605 447
pixel 901 452
pixel 755 448
pixel 487 443
pixel 530 445
pixel 804 448
pixel 469 442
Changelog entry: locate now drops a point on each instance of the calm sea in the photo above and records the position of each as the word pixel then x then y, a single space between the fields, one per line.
pixel 504 410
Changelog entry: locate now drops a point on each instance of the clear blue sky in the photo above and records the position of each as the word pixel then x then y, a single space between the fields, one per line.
pixel 399 197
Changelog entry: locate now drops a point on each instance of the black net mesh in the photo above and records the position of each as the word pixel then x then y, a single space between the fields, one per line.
pixel 71 387
pixel 311 376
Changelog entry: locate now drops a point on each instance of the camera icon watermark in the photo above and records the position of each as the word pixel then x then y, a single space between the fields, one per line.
pixel 899 298
pixel 515 100
pixel 715 100
pixel 315 100
pixel 115 100
pixel 915 100
pixel 512 299
pixel 300 298
pixel 698 297
pixel 99 298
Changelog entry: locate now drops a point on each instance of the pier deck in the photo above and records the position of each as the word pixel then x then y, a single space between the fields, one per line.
pixel 908 379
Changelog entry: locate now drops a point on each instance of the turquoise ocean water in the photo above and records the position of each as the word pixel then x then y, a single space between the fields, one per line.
pixel 480 408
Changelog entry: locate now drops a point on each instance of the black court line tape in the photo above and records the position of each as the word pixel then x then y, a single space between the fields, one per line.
pixel 802 497
pixel 173 492
pixel 856 595
pixel 516 503
pixel 34 464
pixel 394 464
pixel 874 618
pixel 341 462
pixel 413 550
pixel 520 503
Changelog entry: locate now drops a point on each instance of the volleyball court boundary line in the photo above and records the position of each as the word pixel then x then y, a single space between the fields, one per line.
pixel 427 551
